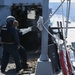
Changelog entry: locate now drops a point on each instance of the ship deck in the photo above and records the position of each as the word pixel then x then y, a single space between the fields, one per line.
pixel 32 61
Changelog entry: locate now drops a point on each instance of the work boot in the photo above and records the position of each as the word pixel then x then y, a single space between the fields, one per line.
pixel 3 70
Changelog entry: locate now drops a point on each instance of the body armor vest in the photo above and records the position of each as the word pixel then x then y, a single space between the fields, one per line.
pixel 6 36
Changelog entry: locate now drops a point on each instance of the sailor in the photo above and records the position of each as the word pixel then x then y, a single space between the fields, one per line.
pixel 22 50
pixel 11 44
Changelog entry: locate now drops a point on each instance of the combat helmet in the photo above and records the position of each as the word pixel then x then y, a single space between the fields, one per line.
pixel 10 18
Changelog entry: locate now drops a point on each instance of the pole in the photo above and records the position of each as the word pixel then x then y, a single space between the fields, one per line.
pixel 44 37
pixel 44 66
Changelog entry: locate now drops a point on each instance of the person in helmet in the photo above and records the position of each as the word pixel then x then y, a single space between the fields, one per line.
pixel 22 50
pixel 11 44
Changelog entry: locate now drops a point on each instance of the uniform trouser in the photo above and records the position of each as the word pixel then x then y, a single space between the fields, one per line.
pixel 23 55
pixel 10 49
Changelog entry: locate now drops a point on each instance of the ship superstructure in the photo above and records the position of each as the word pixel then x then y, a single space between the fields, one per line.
pixel 5 7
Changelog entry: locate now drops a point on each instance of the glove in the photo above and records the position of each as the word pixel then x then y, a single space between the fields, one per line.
pixel 25 30
pixel 40 23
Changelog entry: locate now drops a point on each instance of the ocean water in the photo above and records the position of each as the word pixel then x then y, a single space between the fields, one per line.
pixel 54 6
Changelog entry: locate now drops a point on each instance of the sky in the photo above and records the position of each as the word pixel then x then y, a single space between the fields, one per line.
pixel 60 0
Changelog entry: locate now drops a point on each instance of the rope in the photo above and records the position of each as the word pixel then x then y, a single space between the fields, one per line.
pixel 63 20
pixel 67 15
pixel 54 11
pixel 55 37
pixel 67 21
pixel 63 30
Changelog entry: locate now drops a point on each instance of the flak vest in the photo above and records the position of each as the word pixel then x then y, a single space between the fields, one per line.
pixel 6 37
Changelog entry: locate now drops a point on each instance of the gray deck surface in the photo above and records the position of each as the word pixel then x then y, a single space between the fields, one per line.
pixel 11 71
